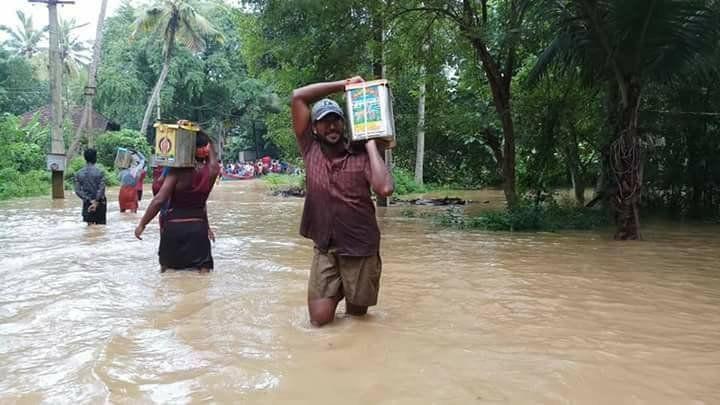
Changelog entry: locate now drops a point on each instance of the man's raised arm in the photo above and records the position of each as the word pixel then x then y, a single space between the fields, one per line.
pixel 304 96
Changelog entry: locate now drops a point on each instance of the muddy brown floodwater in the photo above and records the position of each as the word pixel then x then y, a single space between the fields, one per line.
pixel 463 318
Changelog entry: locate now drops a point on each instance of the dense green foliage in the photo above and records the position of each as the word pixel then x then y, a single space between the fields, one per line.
pixel 19 90
pixel 22 170
pixel 211 87
pixel 22 166
pixel 405 183
pixel 533 96
pixel 109 143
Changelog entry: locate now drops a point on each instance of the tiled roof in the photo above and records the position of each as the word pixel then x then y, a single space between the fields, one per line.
pixel 100 122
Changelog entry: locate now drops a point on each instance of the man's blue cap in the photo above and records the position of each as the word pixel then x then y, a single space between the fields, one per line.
pixel 324 107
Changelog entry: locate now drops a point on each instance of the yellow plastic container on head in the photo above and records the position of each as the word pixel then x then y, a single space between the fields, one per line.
pixel 370 113
pixel 175 144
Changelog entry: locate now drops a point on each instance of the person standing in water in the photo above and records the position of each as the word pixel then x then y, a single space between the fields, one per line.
pixel 128 195
pixel 90 187
pixel 339 214
pixel 185 233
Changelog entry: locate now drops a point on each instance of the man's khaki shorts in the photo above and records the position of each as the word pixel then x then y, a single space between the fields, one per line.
pixel 357 279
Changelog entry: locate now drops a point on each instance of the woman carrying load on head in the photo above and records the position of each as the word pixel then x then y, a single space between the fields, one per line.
pixel 128 196
pixel 185 234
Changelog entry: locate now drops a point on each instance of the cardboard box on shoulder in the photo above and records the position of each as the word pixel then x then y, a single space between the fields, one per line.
pixel 370 113
pixel 175 145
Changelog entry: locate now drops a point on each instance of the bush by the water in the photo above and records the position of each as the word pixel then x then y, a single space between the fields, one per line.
pixel 527 217
pixel 22 168
pixel 274 180
pixel 405 182
pixel 285 184
pixel 16 184
pixel 108 143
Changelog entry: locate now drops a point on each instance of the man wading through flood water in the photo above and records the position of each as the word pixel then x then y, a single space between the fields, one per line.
pixel 90 187
pixel 339 214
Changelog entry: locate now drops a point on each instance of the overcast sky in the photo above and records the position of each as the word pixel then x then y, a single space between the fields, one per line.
pixel 83 11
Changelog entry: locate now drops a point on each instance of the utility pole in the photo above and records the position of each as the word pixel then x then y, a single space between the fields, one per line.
pixel 379 70
pixel 57 147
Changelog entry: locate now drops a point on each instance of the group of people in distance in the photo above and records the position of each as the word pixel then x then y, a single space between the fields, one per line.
pixel 338 215
pixel 248 169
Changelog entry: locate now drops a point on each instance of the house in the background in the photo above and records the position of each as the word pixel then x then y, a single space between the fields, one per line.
pixel 100 123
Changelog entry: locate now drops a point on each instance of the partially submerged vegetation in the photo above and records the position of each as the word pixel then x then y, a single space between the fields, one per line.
pixel 526 217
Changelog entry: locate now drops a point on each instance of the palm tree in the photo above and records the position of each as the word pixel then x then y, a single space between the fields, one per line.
pixel 86 118
pixel 628 44
pixel 175 20
pixel 74 53
pixel 25 39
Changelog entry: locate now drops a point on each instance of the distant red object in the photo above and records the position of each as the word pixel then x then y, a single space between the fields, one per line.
pixel 230 176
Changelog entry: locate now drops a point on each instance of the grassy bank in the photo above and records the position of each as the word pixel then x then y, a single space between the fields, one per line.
pixel 285 184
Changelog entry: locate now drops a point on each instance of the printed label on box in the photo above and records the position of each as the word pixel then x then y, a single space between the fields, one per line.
pixel 366 110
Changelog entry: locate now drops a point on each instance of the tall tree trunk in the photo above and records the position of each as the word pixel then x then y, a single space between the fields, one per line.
pixel 575 167
pixel 155 95
pixel 158 86
pixel 90 89
pixel 625 154
pixel 576 172
pixel 221 141
pixel 604 189
pixel 378 26
pixel 500 89
pixel 420 143
pixel 471 23
pixel 257 148
pixel 493 142
pixel 626 163
pixel 578 185
pixel 509 185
